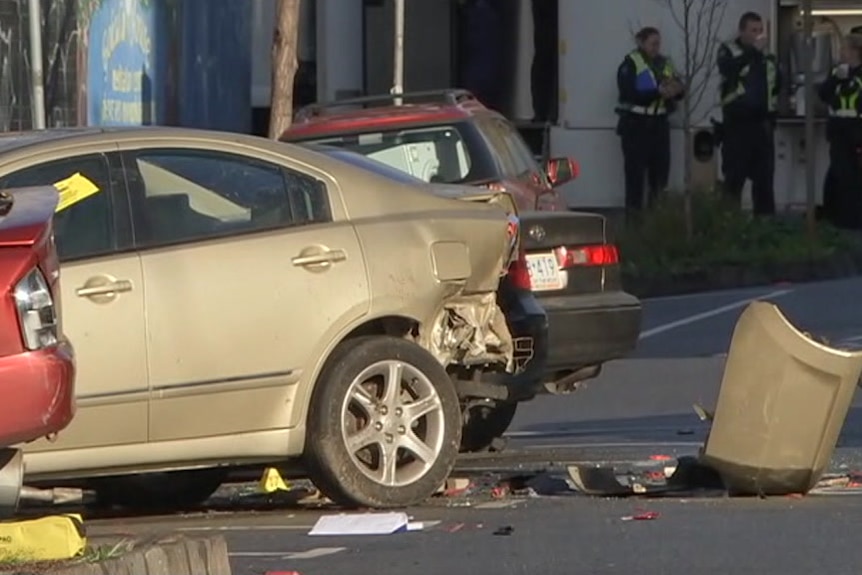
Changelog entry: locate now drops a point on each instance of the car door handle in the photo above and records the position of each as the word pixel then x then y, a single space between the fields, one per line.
pixel 109 288
pixel 323 259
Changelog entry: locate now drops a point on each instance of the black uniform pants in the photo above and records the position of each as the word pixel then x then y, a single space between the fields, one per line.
pixel 646 152
pixel 748 153
pixel 842 189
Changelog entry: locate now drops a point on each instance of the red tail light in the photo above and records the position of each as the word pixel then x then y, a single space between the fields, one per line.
pixel 597 255
pixel 519 273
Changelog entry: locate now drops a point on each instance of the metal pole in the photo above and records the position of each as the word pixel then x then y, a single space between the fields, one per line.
pixel 398 67
pixel 810 145
pixel 37 103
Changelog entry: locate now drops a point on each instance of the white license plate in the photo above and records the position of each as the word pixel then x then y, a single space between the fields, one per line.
pixel 544 272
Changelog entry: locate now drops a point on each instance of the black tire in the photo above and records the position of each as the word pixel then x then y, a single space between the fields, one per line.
pixel 331 466
pixel 159 491
pixel 486 423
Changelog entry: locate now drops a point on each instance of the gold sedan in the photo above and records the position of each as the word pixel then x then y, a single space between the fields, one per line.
pixel 234 301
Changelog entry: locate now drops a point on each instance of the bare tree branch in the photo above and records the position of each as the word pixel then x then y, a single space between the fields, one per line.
pixel 698 23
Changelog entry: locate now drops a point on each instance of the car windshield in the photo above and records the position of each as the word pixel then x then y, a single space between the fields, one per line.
pixel 436 154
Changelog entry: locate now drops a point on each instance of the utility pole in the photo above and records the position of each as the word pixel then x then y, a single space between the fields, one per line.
pixel 810 150
pixel 398 59
pixel 37 96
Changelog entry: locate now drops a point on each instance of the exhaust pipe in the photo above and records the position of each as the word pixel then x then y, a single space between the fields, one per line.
pixel 11 480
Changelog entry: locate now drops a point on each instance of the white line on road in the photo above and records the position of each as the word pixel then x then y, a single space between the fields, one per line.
pixel 651 444
pixel 249 528
pixel 705 294
pixel 606 431
pixel 708 314
pixel 310 554
pixel 496 505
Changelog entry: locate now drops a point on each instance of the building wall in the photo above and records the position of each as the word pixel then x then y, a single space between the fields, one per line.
pixel 594 37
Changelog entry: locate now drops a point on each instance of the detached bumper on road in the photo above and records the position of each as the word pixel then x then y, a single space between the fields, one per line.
pixel 38 393
pixel 588 330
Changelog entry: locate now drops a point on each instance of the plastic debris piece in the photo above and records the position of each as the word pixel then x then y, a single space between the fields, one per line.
pixel 644 516
pixel 499 492
pixel 455 528
pixel 505 530
pixel 281 573
pixel 271 481
pixel 455 486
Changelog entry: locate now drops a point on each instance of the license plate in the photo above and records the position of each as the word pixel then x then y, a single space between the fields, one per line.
pixel 544 272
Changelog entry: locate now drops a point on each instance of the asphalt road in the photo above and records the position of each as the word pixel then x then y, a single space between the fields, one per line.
pixel 638 407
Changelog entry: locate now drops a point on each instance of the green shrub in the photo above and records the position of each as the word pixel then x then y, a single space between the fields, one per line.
pixel 656 244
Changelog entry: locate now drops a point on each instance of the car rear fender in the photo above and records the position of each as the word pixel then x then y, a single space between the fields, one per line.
pixel 444 267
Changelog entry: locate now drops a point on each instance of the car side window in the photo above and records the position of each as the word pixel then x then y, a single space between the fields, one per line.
pixel 83 228
pixel 524 163
pixel 186 195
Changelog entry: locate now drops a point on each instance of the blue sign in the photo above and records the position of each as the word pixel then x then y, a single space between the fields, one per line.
pixel 123 67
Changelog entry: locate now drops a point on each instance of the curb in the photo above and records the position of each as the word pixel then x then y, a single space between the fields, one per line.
pixel 174 555
pixel 734 276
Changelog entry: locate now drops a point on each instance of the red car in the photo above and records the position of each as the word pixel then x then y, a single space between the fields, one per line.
pixel 445 137
pixel 37 366
pixel 568 259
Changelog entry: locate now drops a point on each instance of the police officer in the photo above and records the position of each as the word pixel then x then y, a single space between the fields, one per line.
pixel 750 82
pixel 648 88
pixel 842 189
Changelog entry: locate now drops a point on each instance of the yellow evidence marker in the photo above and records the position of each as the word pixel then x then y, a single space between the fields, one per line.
pixel 271 481
pixel 74 189
pixel 52 538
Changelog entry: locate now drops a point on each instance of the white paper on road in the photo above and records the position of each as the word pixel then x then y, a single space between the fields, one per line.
pixel 361 524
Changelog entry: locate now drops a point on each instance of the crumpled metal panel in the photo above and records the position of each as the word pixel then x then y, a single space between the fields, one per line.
pixel 472 330
pixel 781 406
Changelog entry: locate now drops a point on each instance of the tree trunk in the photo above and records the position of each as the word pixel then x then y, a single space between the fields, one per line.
pixel 284 65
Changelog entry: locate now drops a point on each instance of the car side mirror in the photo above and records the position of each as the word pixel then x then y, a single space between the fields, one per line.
pixel 561 171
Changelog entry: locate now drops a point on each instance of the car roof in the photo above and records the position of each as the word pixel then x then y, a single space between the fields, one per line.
pixel 61 139
pixel 381 112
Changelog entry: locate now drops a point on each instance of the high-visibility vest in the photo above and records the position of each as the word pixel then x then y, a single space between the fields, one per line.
pixel 739 90
pixel 645 80
pixel 848 99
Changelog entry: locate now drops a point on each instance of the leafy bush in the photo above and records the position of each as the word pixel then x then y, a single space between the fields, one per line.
pixel 656 243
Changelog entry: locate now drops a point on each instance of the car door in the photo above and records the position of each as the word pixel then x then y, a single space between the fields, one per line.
pixel 245 274
pixel 101 301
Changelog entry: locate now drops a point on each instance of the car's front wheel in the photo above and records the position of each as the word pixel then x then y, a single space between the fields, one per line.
pixel 384 424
